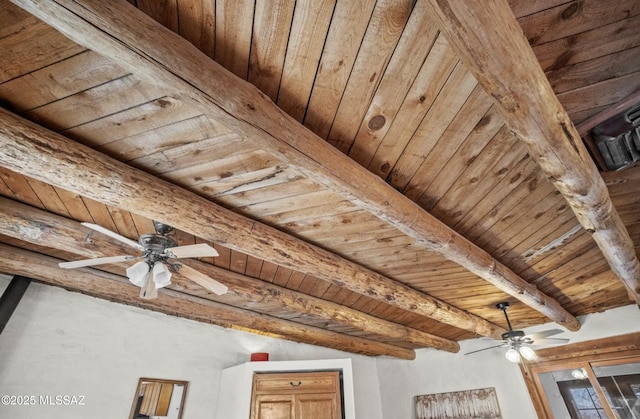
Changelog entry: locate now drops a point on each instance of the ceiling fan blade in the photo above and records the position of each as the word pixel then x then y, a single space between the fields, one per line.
pixel 544 334
pixel 192 251
pixel 114 235
pixel 148 291
pixel 95 261
pixel 203 280
pixel 550 341
pixel 502 345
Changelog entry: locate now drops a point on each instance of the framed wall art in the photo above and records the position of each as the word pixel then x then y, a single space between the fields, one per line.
pixel 477 404
pixel 155 397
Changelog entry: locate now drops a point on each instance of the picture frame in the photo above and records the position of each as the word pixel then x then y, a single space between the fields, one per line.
pixel 159 397
pixel 478 404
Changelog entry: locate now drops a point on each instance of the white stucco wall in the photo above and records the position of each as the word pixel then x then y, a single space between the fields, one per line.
pixel 63 343
pixel 437 372
pixel 234 397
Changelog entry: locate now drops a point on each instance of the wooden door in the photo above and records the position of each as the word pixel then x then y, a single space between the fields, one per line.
pixel 314 406
pixel 273 406
pixel 303 395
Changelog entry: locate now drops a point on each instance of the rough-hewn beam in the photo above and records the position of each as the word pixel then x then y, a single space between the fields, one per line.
pixel 138 43
pixel 116 288
pixel 31 150
pixel 490 42
pixel 45 229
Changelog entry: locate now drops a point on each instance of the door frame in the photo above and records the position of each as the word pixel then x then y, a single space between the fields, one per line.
pixel 616 349
pixel 234 396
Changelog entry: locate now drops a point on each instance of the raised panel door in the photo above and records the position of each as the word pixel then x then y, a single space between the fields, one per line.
pixel 297 395
pixel 273 406
pixel 316 406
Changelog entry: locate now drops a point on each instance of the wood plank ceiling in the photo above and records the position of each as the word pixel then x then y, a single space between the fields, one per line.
pixel 374 174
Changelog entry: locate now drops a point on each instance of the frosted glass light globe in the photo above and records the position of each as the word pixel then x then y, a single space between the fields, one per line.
pixel 138 273
pixel 161 275
pixel 512 355
pixel 527 353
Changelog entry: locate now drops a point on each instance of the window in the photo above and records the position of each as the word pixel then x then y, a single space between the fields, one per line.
pixel 581 399
pixel 589 380
pixel 621 387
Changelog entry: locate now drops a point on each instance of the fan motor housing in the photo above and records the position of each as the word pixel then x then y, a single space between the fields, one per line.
pixel 513 334
pixel 156 243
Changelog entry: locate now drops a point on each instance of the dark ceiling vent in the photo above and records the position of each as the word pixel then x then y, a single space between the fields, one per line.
pixel 618 139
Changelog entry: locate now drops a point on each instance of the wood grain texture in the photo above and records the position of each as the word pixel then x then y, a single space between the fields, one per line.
pixel 268 46
pixel 565 20
pixel 45 48
pixel 306 40
pixel 196 23
pixel 118 289
pixel 543 124
pixel 105 180
pixel 383 32
pixel 344 39
pixel 413 48
pixel 22 222
pixel 389 79
pixel 232 47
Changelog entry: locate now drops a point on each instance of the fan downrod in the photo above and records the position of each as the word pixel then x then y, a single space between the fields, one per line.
pixel 511 334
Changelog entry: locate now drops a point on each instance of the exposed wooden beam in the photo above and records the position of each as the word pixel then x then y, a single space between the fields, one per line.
pixel 491 43
pixel 39 227
pixel 119 31
pixel 31 150
pixel 618 177
pixel 116 288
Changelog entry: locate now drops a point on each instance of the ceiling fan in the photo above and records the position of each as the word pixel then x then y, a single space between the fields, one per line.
pixel 153 271
pixel 518 343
